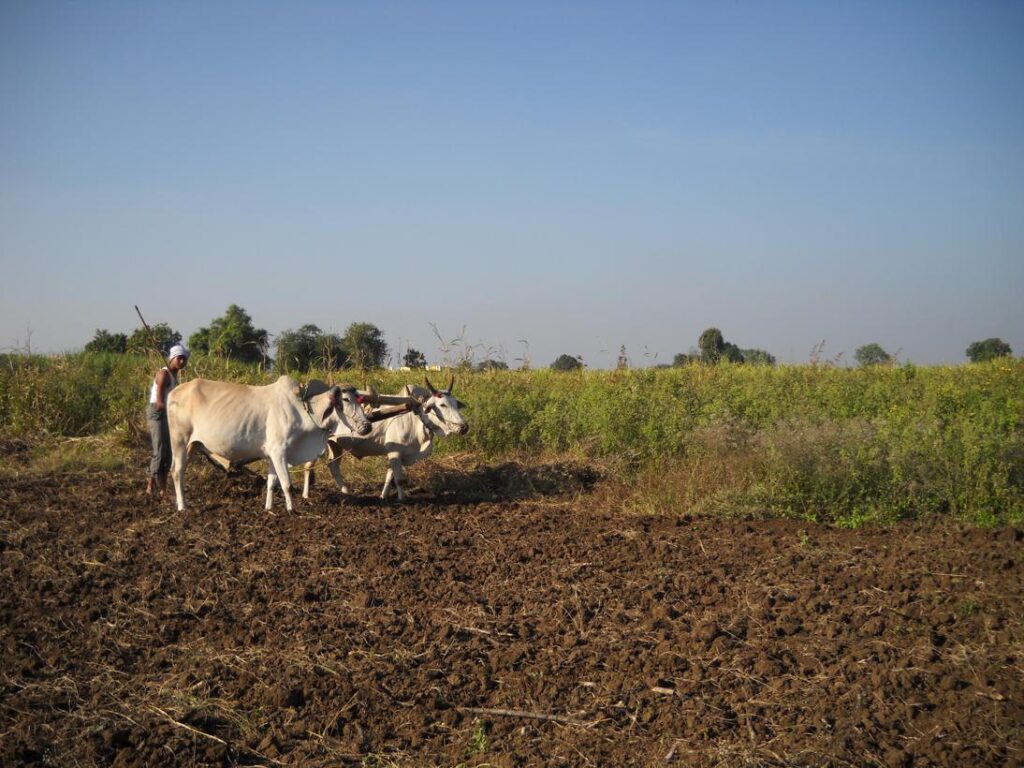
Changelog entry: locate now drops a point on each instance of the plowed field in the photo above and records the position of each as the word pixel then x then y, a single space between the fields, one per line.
pixel 514 619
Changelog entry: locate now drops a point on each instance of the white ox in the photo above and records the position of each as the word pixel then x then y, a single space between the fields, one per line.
pixel 405 438
pixel 238 423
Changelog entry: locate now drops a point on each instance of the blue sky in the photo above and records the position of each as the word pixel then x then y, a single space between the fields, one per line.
pixel 581 175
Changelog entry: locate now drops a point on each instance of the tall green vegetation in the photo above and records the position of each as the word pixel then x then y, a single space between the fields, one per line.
pixel 812 442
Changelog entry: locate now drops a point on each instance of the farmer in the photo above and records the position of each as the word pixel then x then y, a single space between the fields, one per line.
pixel 165 380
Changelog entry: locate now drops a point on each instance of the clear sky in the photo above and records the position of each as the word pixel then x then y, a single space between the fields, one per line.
pixel 581 175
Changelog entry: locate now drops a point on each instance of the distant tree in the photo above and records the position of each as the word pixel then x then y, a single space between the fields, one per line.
pixel 623 362
pixel 232 336
pixel 491 365
pixel 308 347
pixel 757 357
pixel 732 353
pixel 712 345
pixel 872 354
pixel 989 349
pixel 104 341
pixel 567 363
pixel 141 341
pixel 680 360
pixel 366 346
pixel 413 358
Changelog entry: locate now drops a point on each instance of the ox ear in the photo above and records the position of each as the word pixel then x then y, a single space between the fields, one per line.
pixel 460 405
pixel 333 401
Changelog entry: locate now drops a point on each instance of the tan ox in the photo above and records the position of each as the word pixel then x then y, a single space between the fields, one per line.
pixel 238 423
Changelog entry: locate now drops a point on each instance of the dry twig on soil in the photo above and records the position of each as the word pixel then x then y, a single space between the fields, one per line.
pixel 565 719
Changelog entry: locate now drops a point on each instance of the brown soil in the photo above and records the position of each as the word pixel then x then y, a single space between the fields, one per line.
pixel 515 619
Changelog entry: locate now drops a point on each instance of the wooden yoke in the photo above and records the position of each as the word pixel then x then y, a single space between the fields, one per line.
pixel 379 414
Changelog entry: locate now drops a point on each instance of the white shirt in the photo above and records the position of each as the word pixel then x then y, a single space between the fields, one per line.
pixel 172 385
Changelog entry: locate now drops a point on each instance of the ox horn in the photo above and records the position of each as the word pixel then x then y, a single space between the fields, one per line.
pixel 430 386
pixel 368 395
pixel 451 384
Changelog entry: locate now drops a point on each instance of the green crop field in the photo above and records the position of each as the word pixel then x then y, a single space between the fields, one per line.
pixel 819 443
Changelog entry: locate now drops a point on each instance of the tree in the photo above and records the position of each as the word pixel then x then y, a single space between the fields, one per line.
pixel 757 357
pixel 141 342
pixel 309 347
pixel 232 336
pixel 413 358
pixel 989 349
pixel 872 354
pixel 623 361
pixel 567 363
pixel 732 353
pixel 104 341
pixel 491 365
pixel 712 345
pixel 366 346
pixel 680 360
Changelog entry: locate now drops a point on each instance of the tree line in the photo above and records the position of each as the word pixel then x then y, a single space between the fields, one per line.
pixel 362 346
pixel 712 348
pixel 234 336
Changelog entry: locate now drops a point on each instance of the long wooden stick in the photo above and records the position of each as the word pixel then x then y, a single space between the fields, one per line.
pixel 152 336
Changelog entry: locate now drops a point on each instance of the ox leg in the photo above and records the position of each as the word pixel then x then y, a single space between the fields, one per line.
pixel 400 480
pixel 307 476
pixel 280 468
pixel 179 458
pixel 271 479
pixel 394 477
pixel 334 464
